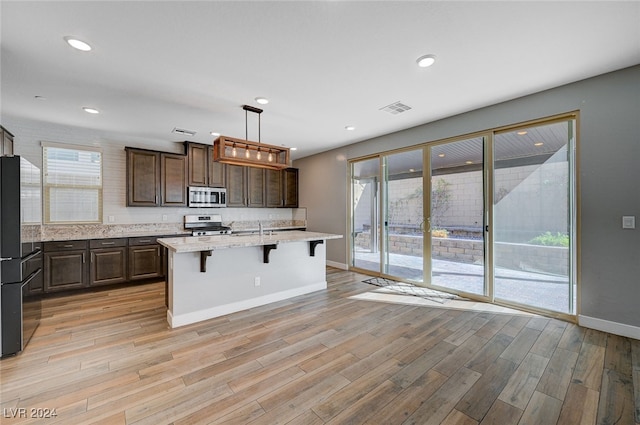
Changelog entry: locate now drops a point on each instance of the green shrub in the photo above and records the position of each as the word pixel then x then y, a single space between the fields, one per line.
pixel 439 233
pixel 549 239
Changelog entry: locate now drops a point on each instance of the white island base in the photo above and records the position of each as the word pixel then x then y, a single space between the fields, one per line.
pixel 236 276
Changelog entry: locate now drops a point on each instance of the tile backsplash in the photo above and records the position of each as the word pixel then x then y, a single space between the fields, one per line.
pixel 55 232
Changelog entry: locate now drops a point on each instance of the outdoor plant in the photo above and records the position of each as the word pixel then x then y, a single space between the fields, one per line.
pixel 440 201
pixel 549 239
pixel 439 233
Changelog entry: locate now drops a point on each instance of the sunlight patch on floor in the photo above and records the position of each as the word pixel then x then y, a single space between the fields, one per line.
pixel 382 295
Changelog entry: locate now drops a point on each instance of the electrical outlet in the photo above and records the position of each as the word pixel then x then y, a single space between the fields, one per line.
pixel 164 217
pixel 111 219
pixel 629 222
pixel 256 281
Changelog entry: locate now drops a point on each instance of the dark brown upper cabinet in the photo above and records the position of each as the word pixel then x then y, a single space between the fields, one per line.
pixel 236 186
pixel 203 171
pixel 156 178
pixel 273 188
pixel 6 142
pixel 143 178
pixel 173 178
pixel 290 188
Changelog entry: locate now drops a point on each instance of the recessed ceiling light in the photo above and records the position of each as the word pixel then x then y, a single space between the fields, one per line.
pixel 349 128
pixel 77 44
pixel 521 133
pixel 293 149
pixel 214 134
pixel 441 155
pixel 538 144
pixel 90 110
pixel 262 100
pixel 469 162
pixel 426 61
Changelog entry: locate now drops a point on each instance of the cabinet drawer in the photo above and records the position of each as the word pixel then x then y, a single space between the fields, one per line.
pixel 65 245
pixel 149 240
pixel 107 243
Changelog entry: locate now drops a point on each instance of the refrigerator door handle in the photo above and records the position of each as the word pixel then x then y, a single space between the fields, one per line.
pixel 6 258
pixel 33 254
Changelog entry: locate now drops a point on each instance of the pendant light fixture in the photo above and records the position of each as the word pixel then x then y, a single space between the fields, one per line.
pixel 229 150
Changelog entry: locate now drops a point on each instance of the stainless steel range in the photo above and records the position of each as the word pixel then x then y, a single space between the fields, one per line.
pixel 205 225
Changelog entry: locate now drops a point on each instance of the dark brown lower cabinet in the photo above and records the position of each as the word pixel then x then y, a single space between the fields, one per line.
pixel 108 261
pixel 88 263
pixel 65 265
pixel 145 259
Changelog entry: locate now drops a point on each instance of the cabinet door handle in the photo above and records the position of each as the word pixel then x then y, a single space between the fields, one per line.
pixel 93 254
pixel 67 246
pixel 108 243
pixel 145 241
pixel 83 258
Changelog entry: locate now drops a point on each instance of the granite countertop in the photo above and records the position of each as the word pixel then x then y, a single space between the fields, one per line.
pixel 66 232
pixel 239 240
pixel 149 233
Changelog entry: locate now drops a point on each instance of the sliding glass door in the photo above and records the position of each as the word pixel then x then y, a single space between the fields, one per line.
pixel 457 216
pixel 534 216
pixel 365 207
pixel 403 210
pixel 491 217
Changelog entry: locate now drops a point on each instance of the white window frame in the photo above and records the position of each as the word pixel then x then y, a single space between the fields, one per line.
pixel 46 187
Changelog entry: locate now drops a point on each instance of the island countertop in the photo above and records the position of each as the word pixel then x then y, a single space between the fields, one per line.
pixel 208 243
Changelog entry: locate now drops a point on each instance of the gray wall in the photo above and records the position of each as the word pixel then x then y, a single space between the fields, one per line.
pixel 609 172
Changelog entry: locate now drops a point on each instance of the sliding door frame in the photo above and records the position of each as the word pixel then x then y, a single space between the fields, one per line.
pixel 488 186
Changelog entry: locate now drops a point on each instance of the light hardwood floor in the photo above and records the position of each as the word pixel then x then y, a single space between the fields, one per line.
pixel 109 357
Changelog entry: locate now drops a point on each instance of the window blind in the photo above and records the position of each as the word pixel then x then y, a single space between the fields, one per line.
pixel 72 183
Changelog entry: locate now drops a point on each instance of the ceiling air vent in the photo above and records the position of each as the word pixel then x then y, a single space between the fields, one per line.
pixel 183 131
pixel 396 108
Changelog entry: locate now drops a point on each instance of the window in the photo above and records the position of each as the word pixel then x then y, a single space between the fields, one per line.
pixel 72 183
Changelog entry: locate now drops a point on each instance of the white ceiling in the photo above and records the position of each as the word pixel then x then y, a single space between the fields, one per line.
pixel 156 65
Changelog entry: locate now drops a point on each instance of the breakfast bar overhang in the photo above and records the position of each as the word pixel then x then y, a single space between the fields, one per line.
pixel 212 276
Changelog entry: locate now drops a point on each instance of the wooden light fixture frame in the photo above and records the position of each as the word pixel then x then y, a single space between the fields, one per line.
pixel 225 149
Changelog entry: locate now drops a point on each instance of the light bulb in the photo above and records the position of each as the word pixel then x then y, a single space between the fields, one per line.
pixel 258 155
pixel 246 152
pixel 270 156
pixel 234 151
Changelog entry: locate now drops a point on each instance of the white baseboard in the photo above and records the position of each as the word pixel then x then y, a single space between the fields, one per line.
pixel 337 265
pixel 611 327
pixel 210 313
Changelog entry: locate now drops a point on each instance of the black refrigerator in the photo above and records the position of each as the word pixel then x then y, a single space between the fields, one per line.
pixel 20 253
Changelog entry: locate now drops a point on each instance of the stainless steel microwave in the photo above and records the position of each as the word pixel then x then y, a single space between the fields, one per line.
pixel 207 197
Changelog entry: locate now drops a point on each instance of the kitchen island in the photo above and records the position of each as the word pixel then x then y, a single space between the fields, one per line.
pixel 210 276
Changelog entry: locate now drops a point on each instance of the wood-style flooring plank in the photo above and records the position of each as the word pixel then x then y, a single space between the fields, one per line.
pixel 109 357
pixel 523 382
pixel 541 409
pixel 502 413
pixel 439 405
pixel 635 365
pixel 481 396
pixel 557 376
pixel 580 406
